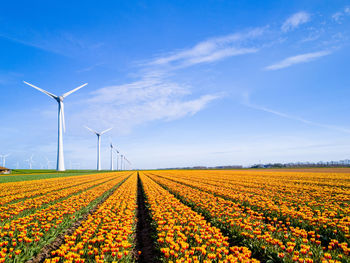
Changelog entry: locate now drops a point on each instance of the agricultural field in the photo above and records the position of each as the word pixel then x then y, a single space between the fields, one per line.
pixel 27 174
pixel 178 216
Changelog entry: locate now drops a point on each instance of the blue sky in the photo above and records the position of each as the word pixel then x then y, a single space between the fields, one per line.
pixel 182 83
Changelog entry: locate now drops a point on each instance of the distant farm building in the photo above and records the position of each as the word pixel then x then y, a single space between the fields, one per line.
pixel 4 170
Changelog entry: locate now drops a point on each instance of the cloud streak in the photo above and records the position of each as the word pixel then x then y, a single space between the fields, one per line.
pixel 295 118
pixel 153 96
pixel 295 21
pixel 139 102
pixel 212 50
pixel 338 16
pixel 303 58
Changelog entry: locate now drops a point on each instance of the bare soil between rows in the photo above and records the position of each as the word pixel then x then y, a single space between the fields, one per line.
pixel 144 232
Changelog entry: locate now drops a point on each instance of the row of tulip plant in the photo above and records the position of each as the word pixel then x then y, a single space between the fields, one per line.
pixel 62 190
pixel 269 238
pixel 24 236
pixel 107 234
pixel 183 234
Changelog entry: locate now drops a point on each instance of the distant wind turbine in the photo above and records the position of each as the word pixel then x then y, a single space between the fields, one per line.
pixel 129 166
pixel 112 161
pixel 124 160
pixel 61 121
pixel 127 162
pixel 117 157
pixel 4 159
pixel 99 134
pixel 113 150
pixel 121 162
pixel 30 161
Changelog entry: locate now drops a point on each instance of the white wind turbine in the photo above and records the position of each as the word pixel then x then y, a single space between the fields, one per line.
pixel 125 160
pixel 129 166
pixel 99 134
pixel 121 162
pixel 30 161
pixel 61 121
pixel 117 153
pixel 113 150
pixel 4 159
pixel 112 161
pixel 117 157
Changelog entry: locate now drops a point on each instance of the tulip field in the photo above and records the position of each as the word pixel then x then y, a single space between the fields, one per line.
pixel 178 216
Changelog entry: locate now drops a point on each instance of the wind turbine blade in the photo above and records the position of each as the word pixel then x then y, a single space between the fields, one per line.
pixel 73 90
pixel 106 131
pixel 42 90
pixel 62 115
pixel 91 130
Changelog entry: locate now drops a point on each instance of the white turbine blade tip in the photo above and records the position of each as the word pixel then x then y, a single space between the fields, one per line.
pixel 42 90
pixel 73 90
pixel 106 131
pixel 91 129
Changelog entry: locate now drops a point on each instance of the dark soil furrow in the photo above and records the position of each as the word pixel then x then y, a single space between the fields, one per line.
pixel 145 234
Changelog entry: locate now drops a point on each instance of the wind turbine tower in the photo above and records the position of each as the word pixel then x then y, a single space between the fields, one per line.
pixel 114 150
pixel 117 152
pixel 121 161
pixel 112 159
pixel 61 121
pixel 30 161
pixel 129 164
pixel 124 161
pixel 99 134
pixel 4 159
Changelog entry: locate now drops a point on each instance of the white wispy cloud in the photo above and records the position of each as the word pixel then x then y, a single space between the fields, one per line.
pixel 295 20
pixel 338 16
pixel 153 96
pixel 295 118
pixel 213 49
pixel 89 68
pixel 149 99
pixel 303 58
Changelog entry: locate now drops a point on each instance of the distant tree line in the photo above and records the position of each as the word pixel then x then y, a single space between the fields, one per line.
pixel 342 163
